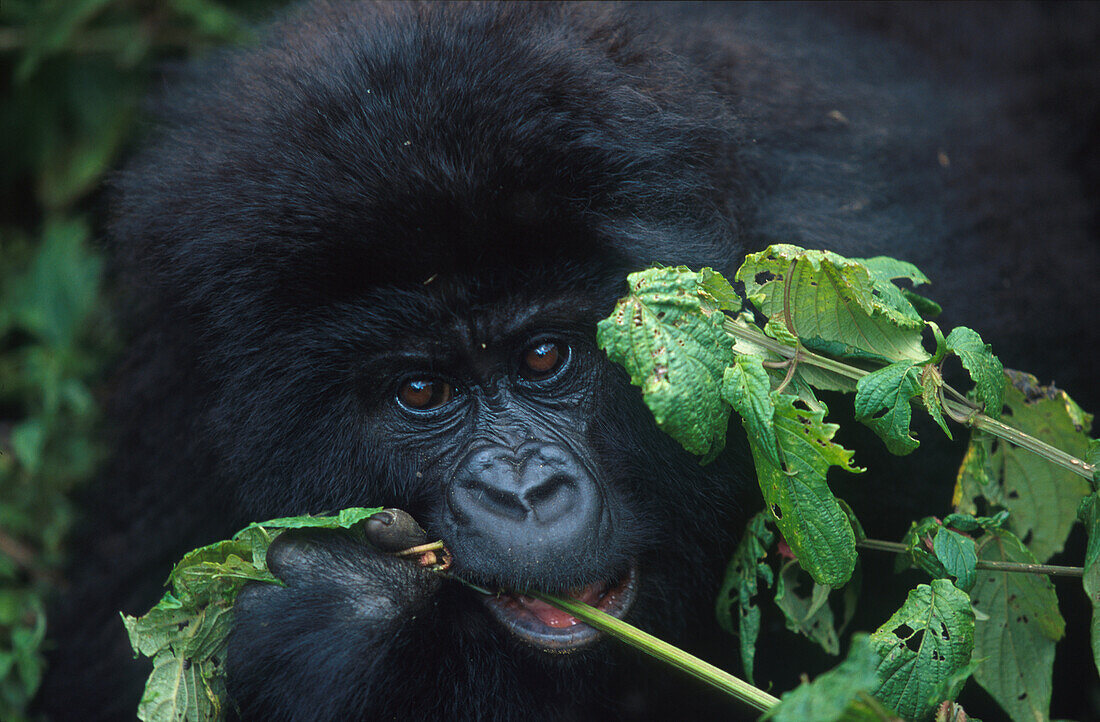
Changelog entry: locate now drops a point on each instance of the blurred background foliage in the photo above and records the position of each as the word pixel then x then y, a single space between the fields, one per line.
pixel 73 78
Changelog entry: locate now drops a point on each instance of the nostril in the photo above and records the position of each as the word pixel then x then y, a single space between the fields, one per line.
pixel 553 498
pixel 497 501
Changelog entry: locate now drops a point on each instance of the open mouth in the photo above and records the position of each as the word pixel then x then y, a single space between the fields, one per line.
pixel 553 630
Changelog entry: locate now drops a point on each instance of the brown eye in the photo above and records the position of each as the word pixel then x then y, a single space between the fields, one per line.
pixel 425 394
pixel 543 360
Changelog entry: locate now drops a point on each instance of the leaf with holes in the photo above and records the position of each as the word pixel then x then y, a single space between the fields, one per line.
pixel 984 368
pixel 797 494
pixel 746 570
pixel 922 645
pixel 883 403
pixel 186 632
pixel 667 333
pixel 837 305
pixel 1016 630
pixel 1042 498
pixel 885 270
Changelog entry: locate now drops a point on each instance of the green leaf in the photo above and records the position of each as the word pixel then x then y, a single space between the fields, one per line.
pixel 55 296
pixel 188 646
pixel 73 164
pixel 969 523
pixel 186 632
pixel 747 388
pixel 1042 498
pixel 958 555
pixel 741 584
pixel 836 304
pixel 798 496
pixel 1016 630
pixel 930 384
pixel 341 520
pixel 922 645
pixel 777 329
pixel 835 695
pixel 883 403
pixel 28 438
pixel 918 541
pixel 1089 514
pixel 984 368
pixel 213 19
pixel 809 616
pixel 885 269
pixel 52 29
pixel 721 292
pixel 182 689
pixel 667 333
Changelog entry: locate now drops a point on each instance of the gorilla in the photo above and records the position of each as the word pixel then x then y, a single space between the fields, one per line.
pixel 362 261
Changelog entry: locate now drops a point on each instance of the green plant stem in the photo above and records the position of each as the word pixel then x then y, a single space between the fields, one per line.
pixel 663 651
pixel 1003 431
pixel 962 412
pixel 823 362
pixel 1018 567
pixel 652 646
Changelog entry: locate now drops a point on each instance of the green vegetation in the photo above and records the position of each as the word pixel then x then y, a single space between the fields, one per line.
pixel 813 321
pixel 185 633
pixel 75 73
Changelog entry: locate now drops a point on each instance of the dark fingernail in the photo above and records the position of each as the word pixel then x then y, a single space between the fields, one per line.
pixel 386 516
pixel 393 530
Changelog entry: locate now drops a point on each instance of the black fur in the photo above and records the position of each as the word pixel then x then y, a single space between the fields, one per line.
pixel 376 178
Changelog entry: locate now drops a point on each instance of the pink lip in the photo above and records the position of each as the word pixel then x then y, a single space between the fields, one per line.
pixel 554 630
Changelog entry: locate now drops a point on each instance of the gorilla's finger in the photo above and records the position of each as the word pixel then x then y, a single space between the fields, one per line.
pixel 393 530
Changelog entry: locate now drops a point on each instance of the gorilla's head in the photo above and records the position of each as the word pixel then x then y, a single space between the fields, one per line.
pixel 392 230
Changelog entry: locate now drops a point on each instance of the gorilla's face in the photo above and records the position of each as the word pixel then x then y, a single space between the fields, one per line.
pixel 496 406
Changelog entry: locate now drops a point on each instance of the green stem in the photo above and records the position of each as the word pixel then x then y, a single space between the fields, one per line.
pixel 962 412
pixel 652 646
pixel 1018 567
pixel 1013 436
pixel 823 362
pixel 663 651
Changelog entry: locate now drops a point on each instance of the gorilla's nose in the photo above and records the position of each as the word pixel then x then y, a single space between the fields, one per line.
pixel 539 498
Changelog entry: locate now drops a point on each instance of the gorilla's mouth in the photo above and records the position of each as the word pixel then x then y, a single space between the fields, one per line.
pixel 553 630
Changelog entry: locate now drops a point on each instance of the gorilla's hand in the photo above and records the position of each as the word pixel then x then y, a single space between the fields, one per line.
pixel 316 647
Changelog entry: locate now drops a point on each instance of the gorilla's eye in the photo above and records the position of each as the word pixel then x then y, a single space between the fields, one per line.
pixel 543 360
pixel 425 394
